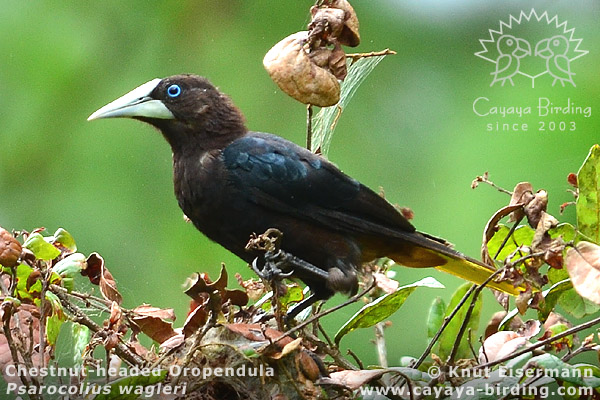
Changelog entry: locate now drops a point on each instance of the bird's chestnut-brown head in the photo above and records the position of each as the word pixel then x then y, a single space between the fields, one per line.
pixel 183 108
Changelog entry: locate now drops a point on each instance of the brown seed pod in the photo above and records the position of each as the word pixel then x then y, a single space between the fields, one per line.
pixel 297 74
pixel 349 36
pixel 10 249
pixel 326 24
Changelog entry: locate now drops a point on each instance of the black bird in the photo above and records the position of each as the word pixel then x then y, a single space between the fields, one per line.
pixel 232 182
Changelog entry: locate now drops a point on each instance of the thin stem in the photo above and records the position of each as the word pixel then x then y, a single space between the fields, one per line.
pixel 380 345
pixel 310 320
pixel 309 114
pixel 465 322
pixel 443 327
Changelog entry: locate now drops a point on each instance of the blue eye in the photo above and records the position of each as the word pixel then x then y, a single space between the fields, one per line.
pixel 174 90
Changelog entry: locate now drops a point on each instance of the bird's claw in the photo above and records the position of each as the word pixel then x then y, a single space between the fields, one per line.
pixel 271 270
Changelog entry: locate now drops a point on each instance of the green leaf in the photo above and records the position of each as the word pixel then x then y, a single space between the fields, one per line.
pixel 325 121
pixel 588 201
pixel 576 305
pixel 567 232
pixel 40 247
pixel 522 236
pixel 131 387
pixel 294 294
pixel 557 275
pixel 383 307
pixel 57 308
pixel 435 318
pixel 23 272
pixel 70 265
pixel 81 338
pixel 53 324
pixel 448 337
pixel 560 370
pixel 551 297
pixel 65 239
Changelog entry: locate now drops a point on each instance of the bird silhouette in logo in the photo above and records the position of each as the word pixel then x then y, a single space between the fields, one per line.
pixel 511 50
pixel 554 50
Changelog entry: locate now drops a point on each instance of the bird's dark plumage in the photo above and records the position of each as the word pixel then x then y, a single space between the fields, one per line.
pixel 232 182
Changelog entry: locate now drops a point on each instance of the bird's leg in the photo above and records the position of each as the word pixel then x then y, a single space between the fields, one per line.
pixel 296 264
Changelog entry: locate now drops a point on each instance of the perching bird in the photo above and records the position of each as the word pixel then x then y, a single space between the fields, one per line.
pixel 232 182
pixel 511 50
pixel 558 65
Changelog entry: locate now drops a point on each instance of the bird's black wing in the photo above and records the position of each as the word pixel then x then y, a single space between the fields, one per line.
pixel 275 173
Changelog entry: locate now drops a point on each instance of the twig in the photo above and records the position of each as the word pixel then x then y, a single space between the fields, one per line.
pixel 356 359
pixel 380 345
pixel 542 343
pixel 465 322
pixel 80 317
pixel 484 179
pixel 43 305
pixel 443 327
pixel 357 56
pixel 309 113
pixel 213 300
pixel 508 236
pixel 333 352
pixel 579 350
pixel 8 313
pixel 310 320
pixel 324 333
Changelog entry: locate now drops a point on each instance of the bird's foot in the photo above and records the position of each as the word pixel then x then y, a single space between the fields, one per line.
pixel 271 270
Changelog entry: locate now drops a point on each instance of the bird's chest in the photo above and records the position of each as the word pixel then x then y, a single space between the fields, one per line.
pixel 203 190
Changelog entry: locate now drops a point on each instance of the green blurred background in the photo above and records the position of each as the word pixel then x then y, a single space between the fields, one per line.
pixel 410 128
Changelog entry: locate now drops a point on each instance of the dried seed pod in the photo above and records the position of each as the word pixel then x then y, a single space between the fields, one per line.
pixel 297 74
pixel 349 35
pixel 10 249
pixel 326 24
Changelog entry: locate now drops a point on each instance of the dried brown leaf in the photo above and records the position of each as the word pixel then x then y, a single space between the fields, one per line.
pixel 536 208
pixel 353 379
pixel 386 284
pixel 287 349
pixel 490 229
pixel 572 180
pixel 522 195
pixel 522 301
pixel 583 265
pixel 499 345
pixel 99 275
pixel 196 318
pixel 153 322
pixel 255 289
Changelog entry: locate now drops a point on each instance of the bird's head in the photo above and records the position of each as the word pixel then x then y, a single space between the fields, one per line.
pixel 508 44
pixel 187 109
pixel 554 46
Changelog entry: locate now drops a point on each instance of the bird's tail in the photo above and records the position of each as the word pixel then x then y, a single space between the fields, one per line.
pixel 476 272
pixel 427 251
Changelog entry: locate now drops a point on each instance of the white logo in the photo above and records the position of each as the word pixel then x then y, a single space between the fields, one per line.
pixel 510 49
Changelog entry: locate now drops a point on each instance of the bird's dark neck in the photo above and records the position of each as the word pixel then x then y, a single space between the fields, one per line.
pixel 198 139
